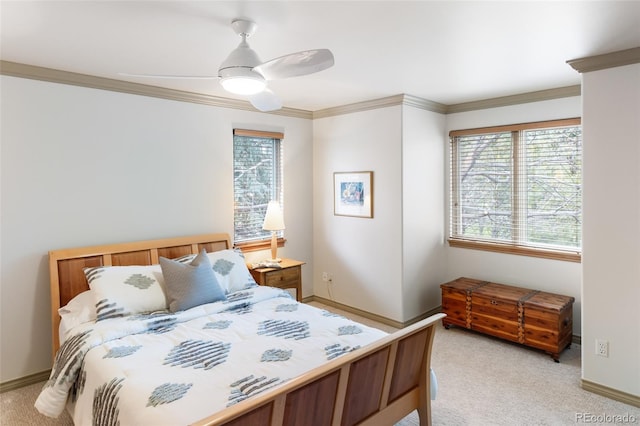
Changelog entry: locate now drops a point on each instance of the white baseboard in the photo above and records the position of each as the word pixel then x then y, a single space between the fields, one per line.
pixel 369 315
pixel 24 381
pixel 617 395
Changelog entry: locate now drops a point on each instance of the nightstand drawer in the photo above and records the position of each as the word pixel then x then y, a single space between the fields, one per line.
pixel 283 277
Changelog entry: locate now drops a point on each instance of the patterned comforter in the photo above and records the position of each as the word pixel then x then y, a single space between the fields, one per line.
pixel 174 369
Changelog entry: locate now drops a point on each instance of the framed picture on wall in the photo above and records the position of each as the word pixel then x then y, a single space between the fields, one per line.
pixel 353 194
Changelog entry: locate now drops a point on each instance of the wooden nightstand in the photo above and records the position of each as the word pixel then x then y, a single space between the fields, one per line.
pixel 289 276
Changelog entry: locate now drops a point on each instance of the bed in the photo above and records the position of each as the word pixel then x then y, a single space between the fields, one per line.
pixel 247 355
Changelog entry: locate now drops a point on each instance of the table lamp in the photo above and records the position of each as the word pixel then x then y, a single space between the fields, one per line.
pixel 274 222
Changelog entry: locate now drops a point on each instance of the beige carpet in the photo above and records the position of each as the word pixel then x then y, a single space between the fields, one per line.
pixel 482 381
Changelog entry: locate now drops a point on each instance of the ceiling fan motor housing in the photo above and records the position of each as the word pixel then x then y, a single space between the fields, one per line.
pixel 241 58
pixel 236 72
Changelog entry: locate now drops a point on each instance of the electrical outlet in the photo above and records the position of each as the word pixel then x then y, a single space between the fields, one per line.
pixel 602 348
pixel 325 276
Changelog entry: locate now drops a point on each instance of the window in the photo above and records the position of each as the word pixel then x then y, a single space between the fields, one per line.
pixel 518 189
pixel 257 179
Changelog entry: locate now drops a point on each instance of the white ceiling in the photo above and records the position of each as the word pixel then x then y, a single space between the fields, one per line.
pixel 444 51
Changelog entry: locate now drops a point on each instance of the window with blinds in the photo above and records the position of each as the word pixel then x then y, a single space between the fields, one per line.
pixel 518 189
pixel 257 179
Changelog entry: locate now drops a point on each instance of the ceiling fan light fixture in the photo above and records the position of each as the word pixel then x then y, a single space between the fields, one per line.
pixel 244 84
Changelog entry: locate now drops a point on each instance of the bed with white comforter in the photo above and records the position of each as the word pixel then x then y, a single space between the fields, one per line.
pixel 176 368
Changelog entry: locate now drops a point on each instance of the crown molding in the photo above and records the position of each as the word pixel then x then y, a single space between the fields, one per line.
pixel 359 106
pixel 403 99
pixel 33 72
pixel 607 60
pixel 522 98
pixel 415 101
pixel 83 80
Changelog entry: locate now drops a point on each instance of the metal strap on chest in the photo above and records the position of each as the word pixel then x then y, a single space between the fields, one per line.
pixel 468 292
pixel 521 313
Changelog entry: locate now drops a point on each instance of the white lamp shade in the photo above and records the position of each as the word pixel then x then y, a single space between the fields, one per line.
pixel 274 219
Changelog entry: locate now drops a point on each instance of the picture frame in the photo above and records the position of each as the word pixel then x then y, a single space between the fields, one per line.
pixel 353 194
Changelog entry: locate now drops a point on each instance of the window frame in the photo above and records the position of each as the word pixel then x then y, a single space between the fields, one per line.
pixel 263 243
pixel 512 247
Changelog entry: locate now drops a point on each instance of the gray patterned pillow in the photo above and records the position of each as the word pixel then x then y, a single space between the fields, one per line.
pixel 190 284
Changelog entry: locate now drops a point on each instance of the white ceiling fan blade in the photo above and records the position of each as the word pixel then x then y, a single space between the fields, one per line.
pixel 176 77
pixel 265 101
pixel 296 64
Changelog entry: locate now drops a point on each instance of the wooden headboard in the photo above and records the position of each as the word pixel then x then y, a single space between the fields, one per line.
pixel 66 266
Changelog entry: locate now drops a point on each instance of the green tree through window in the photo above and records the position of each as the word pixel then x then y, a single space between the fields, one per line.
pixel 518 185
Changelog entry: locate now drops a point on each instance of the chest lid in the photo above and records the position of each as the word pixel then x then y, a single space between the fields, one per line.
pixel 549 302
pixel 503 292
pixel 463 284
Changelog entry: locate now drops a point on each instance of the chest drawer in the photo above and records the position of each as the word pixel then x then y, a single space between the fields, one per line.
pixel 548 321
pixel 494 316
pixel 456 301
pixel 483 305
pixel 455 307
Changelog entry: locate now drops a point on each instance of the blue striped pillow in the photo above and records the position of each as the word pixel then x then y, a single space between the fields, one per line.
pixel 190 284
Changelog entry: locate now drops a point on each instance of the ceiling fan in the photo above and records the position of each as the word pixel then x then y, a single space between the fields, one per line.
pixel 243 73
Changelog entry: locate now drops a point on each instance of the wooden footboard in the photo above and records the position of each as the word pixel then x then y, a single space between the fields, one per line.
pixel 378 384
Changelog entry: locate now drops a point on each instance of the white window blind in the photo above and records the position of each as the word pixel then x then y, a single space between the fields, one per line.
pixel 518 185
pixel 257 168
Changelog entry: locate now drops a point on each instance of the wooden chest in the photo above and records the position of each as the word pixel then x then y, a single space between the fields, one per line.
pixel 530 317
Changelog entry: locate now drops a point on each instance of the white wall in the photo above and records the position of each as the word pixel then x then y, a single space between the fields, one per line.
pixel 390 265
pixel 611 236
pixel 83 167
pixel 541 274
pixel 423 214
pixel 363 255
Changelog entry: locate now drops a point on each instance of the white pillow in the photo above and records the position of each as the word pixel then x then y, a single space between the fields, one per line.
pixel 231 270
pixel 126 290
pixel 79 310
